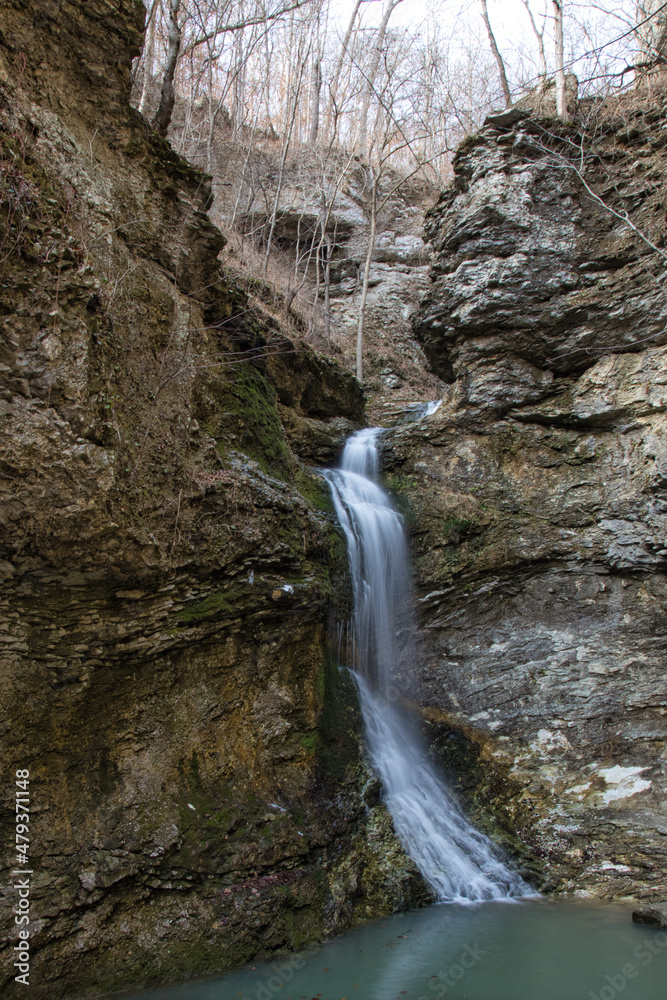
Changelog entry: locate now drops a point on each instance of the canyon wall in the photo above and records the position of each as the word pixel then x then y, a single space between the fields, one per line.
pixel 169 565
pixel 536 494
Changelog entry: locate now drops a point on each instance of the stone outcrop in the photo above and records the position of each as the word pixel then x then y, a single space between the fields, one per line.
pixel 652 916
pixel 536 496
pixel 168 565
pixel 533 278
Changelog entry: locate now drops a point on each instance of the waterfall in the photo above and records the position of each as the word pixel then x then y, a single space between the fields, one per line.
pixel 459 863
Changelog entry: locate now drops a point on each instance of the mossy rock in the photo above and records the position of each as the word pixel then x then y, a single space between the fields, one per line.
pixel 239 411
pixel 340 724
pixel 314 489
pixel 486 793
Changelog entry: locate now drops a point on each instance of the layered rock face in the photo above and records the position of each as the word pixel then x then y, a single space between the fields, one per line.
pixel 168 564
pixel 536 494
pixel 533 278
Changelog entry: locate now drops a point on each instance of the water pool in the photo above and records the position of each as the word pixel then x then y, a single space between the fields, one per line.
pixel 536 949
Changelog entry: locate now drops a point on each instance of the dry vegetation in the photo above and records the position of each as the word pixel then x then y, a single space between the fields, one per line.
pixel 322 126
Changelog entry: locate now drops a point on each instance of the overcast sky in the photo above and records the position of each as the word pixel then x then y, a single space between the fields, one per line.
pixel 588 24
pixel 508 17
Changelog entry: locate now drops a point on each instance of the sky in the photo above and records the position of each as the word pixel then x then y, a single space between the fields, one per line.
pixel 507 16
pixel 588 23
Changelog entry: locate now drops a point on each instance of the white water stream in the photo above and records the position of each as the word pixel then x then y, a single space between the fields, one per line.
pixel 459 863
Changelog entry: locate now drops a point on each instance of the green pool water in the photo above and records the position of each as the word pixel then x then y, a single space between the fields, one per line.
pixel 530 950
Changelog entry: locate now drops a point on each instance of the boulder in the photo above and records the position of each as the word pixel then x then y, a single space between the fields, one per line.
pixel 654 915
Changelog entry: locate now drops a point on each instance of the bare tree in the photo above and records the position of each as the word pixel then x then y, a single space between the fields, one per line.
pixel 373 177
pixel 539 35
pixel 168 95
pixel 301 61
pixel 652 33
pixel 293 102
pixel 561 102
pixel 315 92
pixel 497 56
pixel 371 75
pixel 344 53
pixel 390 135
pixel 149 54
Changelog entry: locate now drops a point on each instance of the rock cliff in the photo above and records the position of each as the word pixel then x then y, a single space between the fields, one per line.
pixel 169 566
pixel 536 493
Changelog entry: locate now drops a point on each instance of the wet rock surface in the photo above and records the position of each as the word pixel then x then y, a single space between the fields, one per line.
pixel 652 916
pixel 536 499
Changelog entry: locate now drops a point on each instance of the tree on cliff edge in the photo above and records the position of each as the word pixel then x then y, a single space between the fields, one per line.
pixel 168 96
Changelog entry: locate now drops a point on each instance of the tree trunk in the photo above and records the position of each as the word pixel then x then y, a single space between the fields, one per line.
pixel 244 173
pixel 652 33
pixel 165 111
pixel 333 89
pixel 561 103
pixel 539 35
pixel 367 274
pixel 149 49
pixel 327 286
pixel 238 84
pixel 369 84
pixel 316 87
pixel 291 112
pixel 497 56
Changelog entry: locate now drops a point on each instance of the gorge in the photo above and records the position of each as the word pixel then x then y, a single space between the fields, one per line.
pixel 173 567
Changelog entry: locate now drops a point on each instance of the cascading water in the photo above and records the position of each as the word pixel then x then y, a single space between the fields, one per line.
pixel 459 863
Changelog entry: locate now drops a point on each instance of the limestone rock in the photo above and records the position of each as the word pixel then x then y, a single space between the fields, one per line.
pixel 318 441
pixel 530 269
pixel 537 504
pixel 652 916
